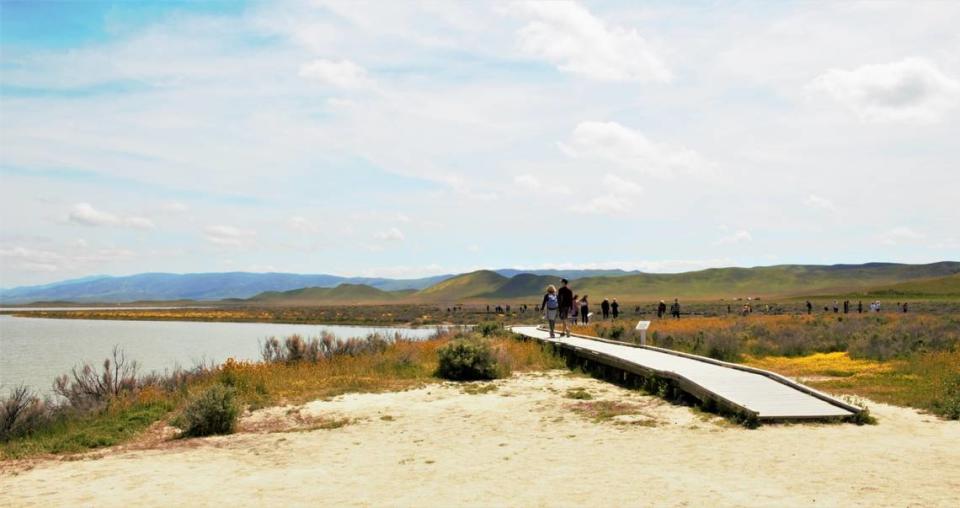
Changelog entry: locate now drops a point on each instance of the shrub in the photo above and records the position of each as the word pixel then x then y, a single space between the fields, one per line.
pixel 86 389
pixel 948 405
pixel 489 328
pixel 215 411
pixel 297 349
pixel 468 359
pixel 722 346
pixel 21 413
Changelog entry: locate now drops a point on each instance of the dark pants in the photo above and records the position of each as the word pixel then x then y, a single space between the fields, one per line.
pixel 584 318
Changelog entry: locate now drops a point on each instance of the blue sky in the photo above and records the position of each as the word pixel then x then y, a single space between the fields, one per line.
pixel 413 138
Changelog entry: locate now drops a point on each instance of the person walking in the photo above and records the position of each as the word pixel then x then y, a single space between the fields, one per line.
pixel 904 307
pixel 809 307
pixel 584 310
pixel 615 308
pixel 565 300
pixel 846 306
pixel 859 306
pixel 675 309
pixel 551 308
pixel 574 312
pixel 605 308
pixel 661 309
pixel 836 307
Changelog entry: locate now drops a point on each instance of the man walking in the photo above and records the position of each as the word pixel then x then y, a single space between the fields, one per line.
pixel 675 309
pixel 605 308
pixel 661 309
pixel 615 308
pixel 565 300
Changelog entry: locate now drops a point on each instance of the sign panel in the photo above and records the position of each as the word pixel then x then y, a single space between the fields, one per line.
pixel 643 325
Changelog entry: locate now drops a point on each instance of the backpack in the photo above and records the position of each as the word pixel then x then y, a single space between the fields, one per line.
pixel 552 303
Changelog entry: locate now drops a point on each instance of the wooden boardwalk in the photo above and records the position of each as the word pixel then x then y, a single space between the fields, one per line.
pixel 758 393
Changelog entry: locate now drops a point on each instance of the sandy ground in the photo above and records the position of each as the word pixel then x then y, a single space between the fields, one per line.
pixel 523 444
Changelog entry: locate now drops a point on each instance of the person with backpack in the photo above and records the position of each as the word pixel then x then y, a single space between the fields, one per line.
pixel 551 309
pixel 675 309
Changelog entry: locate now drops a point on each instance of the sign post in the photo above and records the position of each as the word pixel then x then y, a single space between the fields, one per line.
pixel 642 328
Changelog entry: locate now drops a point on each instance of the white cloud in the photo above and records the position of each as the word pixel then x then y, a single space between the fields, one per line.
pixel 820 202
pixel 630 149
pixel 175 207
pixel 912 89
pixel 303 225
pixel 341 74
pixel 610 204
pixel 617 197
pixel 229 236
pixel 738 236
pixel 86 214
pixel 569 36
pixel 78 256
pixel 390 235
pixel 901 235
pixel 531 183
pixel 620 185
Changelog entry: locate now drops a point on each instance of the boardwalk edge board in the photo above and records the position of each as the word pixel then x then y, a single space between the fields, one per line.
pixel 700 392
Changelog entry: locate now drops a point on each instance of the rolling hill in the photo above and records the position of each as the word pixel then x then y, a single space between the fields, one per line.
pixel 783 281
pixel 466 286
pixel 767 281
pixel 344 293
pixel 937 287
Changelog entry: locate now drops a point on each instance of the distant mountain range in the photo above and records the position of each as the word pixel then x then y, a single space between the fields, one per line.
pixel 935 279
pixel 193 286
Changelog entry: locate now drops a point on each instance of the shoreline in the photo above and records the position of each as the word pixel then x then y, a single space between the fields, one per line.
pixel 528 443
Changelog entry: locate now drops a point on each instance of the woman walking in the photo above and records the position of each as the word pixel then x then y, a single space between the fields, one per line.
pixel 584 310
pixel 551 306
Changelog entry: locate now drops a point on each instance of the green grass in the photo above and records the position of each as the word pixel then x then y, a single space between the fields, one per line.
pixel 71 435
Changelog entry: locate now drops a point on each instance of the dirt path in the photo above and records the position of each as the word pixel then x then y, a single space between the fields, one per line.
pixel 522 444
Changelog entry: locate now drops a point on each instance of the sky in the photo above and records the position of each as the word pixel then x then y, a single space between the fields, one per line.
pixel 405 139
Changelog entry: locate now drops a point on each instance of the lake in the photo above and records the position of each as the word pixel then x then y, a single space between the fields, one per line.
pixel 34 351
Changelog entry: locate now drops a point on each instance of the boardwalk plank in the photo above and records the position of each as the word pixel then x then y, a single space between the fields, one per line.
pixel 763 393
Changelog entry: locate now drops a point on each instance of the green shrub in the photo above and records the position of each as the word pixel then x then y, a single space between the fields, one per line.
pixel 948 405
pixel 215 411
pixel 488 328
pixel 469 360
pixel 723 346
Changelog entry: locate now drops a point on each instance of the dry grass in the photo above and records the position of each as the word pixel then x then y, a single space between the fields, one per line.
pixel 400 365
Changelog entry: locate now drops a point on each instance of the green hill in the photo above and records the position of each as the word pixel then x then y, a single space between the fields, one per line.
pixel 523 285
pixel 462 287
pixel 357 293
pixel 765 281
pixel 781 281
pixel 937 287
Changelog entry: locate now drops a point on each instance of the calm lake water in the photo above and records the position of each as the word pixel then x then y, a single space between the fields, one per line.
pixel 34 351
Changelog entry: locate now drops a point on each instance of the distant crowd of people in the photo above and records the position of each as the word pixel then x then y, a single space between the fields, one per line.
pixel 875 306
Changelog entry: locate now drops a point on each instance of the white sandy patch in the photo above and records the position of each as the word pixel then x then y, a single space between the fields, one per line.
pixel 519 445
